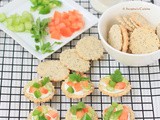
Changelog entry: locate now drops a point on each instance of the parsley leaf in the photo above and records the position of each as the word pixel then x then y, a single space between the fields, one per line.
pixel 117 76
pixel 38 33
pixel 77 77
pixel 77 107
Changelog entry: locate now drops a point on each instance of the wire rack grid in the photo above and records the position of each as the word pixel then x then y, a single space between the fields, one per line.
pixel 17 67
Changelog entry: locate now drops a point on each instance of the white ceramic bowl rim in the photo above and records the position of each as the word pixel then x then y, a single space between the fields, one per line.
pixel 105 42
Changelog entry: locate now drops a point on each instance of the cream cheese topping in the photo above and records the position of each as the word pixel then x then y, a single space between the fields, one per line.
pixel 105 85
pixel 42 96
pixel 76 93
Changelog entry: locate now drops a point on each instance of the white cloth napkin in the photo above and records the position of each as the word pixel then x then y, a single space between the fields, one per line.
pixel 157 2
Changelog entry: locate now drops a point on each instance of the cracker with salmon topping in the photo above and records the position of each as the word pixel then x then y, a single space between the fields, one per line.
pixel 44 113
pixel 39 90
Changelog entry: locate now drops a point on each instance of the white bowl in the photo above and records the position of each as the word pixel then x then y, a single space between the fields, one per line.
pixel 148 10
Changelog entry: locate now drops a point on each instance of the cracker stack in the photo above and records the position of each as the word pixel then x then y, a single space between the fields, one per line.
pixel 134 34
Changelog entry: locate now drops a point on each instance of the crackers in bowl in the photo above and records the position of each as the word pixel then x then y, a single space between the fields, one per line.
pixel 134 34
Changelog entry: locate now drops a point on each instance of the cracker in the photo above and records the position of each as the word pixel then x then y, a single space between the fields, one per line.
pixel 53 69
pixel 72 61
pixel 73 96
pixel 141 21
pixel 115 37
pixel 132 116
pixel 69 114
pixel 37 100
pixel 122 22
pixel 30 114
pixel 143 41
pixel 119 94
pixel 125 39
pixel 128 22
pixel 158 31
pixel 89 48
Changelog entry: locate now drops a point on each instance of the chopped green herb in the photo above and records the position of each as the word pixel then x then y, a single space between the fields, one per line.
pixel 110 111
pixel 37 94
pixel 117 76
pixel 45 81
pixel 86 117
pixel 36 112
pixel 73 109
pixel 42 117
pixel 77 107
pixel 38 33
pixel 112 83
pixel 116 115
pixel 70 89
pixel 77 77
pixel 80 106
pixel 36 85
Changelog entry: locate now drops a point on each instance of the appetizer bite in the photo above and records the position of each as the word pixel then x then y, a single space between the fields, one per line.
pixel 77 86
pixel 43 113
pixel 118 112
pixel 53 69
pixel 89 48
pixel 39 90
pixel 81 112
pixel 114 85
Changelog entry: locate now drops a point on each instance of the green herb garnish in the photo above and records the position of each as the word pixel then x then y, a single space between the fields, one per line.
pixel 77 77
pixel 37 94
pixel 70 89
pixel 112 83
pixel 36 112
pixel 45 81
pixel 116 115
pixel 77 107
pixel 117 76
pixel 86 117
pixel 44 6
pixel 110 111
pixel 38 33
pixel 36 85
pixel 42 117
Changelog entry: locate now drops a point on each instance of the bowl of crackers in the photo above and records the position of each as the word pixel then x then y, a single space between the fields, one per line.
pixel 130 32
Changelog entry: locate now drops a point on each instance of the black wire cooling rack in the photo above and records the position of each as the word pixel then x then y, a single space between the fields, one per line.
pixel 17 67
